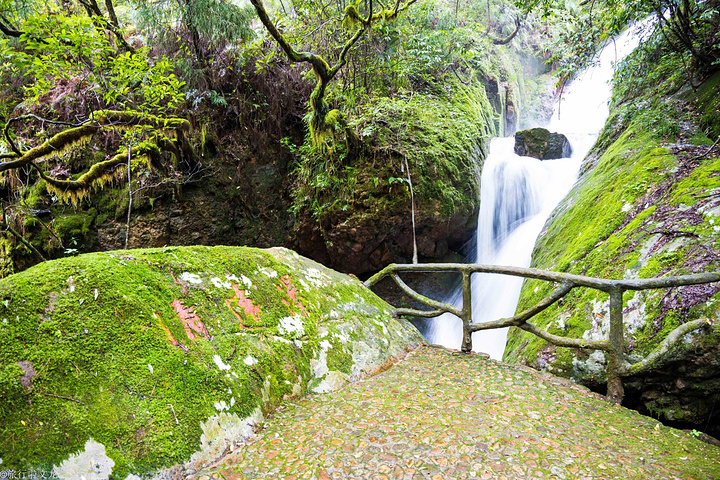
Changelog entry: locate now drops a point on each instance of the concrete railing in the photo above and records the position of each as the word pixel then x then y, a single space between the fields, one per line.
pixel 614 345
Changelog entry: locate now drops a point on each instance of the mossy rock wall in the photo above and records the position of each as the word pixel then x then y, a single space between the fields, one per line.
pixel 648 205
pixel 144 359
pixel 238 194
pixel 361 220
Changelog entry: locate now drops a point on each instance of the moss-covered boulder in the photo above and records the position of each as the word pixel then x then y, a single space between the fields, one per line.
pixel 417 183
pixel 647 205
pixel 143 359
pixel 542 144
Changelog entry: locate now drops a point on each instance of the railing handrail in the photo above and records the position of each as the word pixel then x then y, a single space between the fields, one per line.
pixel 603 284
pixel 614 345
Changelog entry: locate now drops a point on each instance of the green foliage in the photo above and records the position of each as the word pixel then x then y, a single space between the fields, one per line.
pixel 203 24
pixel 61 49
pixel 441 144
pixel 689 28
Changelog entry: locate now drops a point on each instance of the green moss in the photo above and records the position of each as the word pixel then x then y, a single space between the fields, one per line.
pixel 35 196
pixel 440 136
pixel 116 362
pixel 339 359
pixel 707 101
pixel 615 185
pixel 74 225
pixel 695 186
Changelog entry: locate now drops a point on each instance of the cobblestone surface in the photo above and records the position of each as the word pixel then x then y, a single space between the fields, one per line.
pixel 441 415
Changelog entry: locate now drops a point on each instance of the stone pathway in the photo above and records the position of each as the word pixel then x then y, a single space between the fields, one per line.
pixel 442 415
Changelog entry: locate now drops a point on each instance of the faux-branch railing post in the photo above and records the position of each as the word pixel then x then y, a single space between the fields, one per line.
pixel 614 345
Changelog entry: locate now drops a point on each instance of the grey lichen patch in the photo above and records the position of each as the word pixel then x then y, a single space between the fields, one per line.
pixel 92 463
pixel 592 367
pixel 331 382
pixel 28 374
pixel 222 432
pixel 324 379
pixel 291 327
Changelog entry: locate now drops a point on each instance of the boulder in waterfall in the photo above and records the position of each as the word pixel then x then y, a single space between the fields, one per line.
pixel 124 363
pixel 542 144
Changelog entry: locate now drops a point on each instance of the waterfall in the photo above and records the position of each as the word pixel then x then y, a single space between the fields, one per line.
pixel 519 193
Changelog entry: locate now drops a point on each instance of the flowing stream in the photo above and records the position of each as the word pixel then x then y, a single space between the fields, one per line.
pixel 519 193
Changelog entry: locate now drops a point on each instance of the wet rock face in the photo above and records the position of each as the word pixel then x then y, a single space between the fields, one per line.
pixel 142 359
pixel 359 245
pixel 685 392
pixel 540 143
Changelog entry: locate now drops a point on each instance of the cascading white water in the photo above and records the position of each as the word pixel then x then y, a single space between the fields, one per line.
pixel 519 193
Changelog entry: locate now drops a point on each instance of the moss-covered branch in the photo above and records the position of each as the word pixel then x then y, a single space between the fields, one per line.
pixel 59 143
pixel 604 284
pixel 412 312
pixel 654 359
pixel 99 174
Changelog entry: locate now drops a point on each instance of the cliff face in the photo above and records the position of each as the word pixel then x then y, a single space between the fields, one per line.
pixel 141 359
pixel 248 189
pixel 424 157
pixel 647 204
pixel 357 217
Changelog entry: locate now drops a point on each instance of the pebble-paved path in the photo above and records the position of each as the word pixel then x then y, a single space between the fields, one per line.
pixel 441 415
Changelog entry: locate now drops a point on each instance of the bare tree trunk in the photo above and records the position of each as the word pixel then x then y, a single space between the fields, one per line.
pixel 111 13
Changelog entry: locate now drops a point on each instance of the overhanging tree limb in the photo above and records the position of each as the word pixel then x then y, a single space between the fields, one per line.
pixel 509 38
pixel 322 119
pixel 7 29
pixel 102 172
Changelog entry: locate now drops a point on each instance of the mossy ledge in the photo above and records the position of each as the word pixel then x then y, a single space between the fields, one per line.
pixel 646 206
pixel 146 359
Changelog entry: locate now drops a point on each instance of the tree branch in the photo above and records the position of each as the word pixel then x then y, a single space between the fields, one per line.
pixel 521 318
pixel 52 145
pixel 509 38
pixel 412 312
pixel 425 300
pixel 6 225
pixel 63 398
pixel 605 285
pixel 7 29
pixel 293 55
pixel 654 359
pixel 111 13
